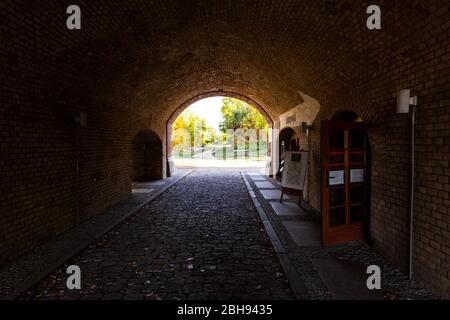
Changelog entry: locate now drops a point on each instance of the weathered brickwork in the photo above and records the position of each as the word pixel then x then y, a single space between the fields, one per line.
pixel 135 62
pixel 424 67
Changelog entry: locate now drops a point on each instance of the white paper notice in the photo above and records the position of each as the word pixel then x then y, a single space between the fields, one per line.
pixel 336 178
pixel 356 175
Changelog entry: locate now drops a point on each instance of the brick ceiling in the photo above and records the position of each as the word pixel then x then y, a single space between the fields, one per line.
pixel 155 55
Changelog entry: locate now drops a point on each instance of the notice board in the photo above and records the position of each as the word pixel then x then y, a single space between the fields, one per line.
pixel 294 171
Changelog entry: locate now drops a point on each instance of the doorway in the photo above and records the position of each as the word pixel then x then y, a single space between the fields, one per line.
pixel 345 181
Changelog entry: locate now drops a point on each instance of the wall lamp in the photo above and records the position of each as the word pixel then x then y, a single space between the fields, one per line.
pixel 306 127
pixel 404 101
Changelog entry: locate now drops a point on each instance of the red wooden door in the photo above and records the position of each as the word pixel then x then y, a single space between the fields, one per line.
pixel 344 183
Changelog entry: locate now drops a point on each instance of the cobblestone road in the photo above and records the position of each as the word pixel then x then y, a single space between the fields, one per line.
pixel 201 239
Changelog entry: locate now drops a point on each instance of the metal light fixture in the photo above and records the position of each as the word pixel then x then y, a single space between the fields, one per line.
pixel 305 127
pixel 404 101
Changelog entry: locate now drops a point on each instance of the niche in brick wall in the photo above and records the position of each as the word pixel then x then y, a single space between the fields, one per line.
pixel 146 157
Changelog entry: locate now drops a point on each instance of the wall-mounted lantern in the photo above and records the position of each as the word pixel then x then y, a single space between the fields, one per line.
pixel 404 101
pixel 305 127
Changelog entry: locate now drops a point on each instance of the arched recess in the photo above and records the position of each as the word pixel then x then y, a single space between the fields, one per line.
pixel 288 140
pixel 346 115
pixel 190 101
pixel 147 156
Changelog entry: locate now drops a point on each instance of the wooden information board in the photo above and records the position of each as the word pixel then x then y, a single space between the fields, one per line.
pixel 294 173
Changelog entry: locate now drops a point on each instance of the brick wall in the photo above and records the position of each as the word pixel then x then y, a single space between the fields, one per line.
pixel 42 88
pixel 427 74
pixel 134 63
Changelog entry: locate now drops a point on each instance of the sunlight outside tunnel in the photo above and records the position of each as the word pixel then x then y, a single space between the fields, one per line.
pixel 220 132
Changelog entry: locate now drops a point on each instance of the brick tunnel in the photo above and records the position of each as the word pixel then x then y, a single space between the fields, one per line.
pixel 84 113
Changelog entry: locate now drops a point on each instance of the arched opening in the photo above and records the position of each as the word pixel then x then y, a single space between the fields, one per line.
pixel 242 134
pixel 147 157
pixel 346 164
pixel 346 116
pixel 288 141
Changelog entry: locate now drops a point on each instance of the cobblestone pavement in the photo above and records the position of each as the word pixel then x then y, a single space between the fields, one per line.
pixel 201 239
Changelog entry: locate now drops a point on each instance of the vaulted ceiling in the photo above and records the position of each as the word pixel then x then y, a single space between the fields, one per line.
pixel 152 56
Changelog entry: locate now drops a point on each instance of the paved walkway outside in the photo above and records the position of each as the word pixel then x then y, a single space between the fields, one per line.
pixel 201 239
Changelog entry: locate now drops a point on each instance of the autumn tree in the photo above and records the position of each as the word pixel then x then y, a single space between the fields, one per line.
pixel 188 129
pixel 239 115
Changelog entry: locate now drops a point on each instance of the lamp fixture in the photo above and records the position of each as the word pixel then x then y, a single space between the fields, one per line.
pixel 404 101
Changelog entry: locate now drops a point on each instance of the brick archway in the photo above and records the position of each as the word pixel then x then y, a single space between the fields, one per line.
pixel 202 96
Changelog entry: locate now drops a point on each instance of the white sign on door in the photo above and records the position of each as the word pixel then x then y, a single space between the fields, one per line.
pixel 356 175
pixel 336 178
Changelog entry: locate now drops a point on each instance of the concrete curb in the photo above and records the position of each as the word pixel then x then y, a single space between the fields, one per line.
pixel 75 240
pixel 296 283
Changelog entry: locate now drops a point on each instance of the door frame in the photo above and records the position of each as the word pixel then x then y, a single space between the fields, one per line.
pixel 349 231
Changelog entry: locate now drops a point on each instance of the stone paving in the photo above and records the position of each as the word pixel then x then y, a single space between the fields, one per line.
pixel 200 239
pixel 204 239
pixel 395 284
pixel 21 274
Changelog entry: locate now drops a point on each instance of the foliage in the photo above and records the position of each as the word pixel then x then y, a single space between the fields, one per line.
pixel 238 114
pixel 188 128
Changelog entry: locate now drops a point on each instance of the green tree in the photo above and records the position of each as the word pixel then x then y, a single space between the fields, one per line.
pixel 238 114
